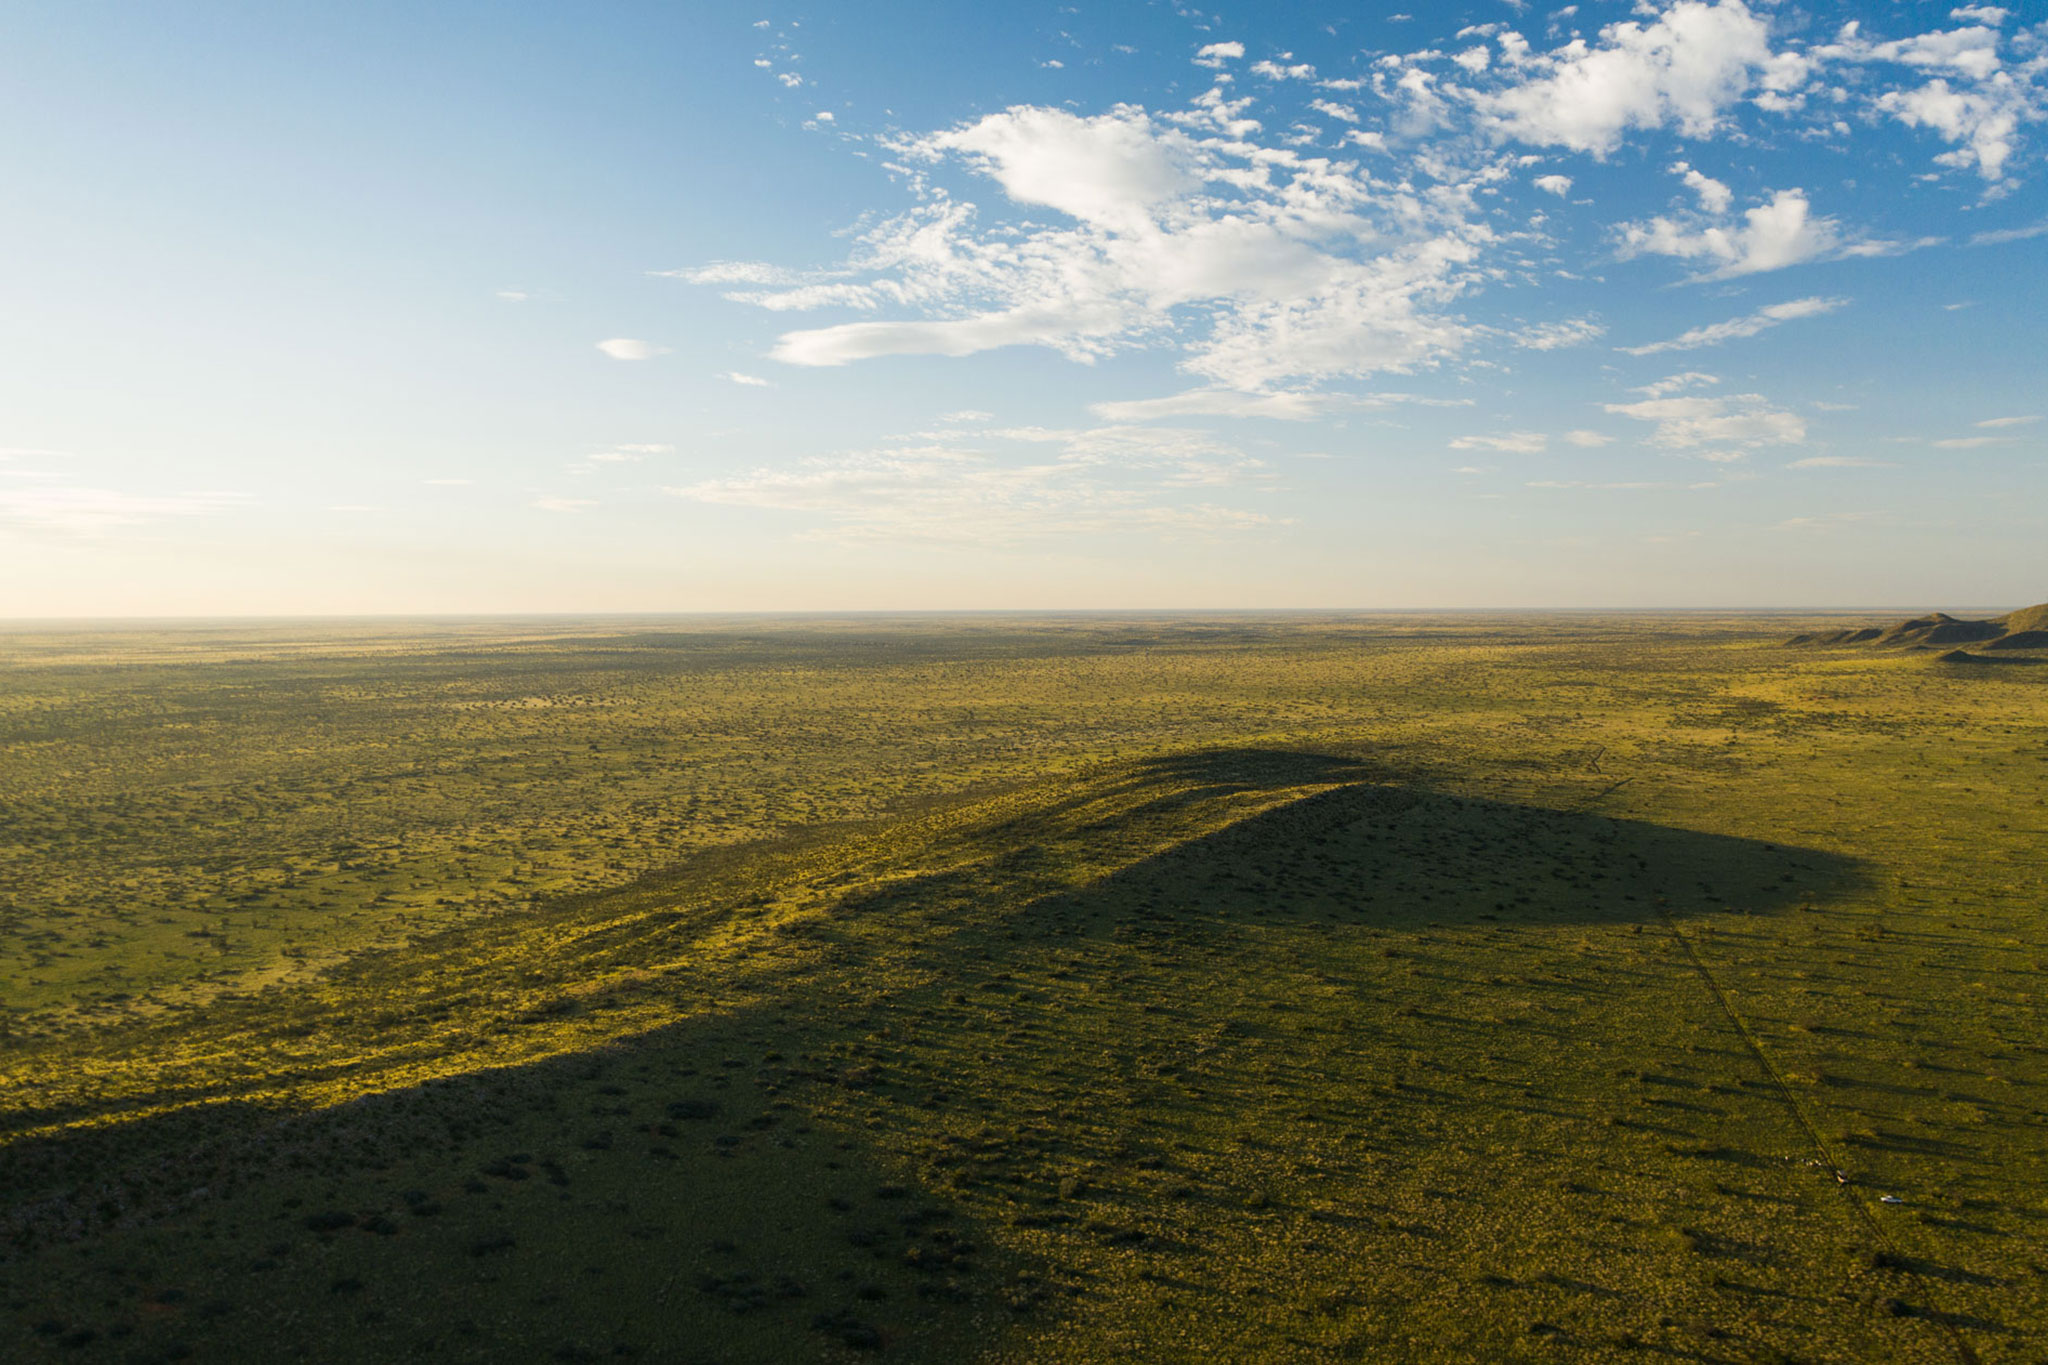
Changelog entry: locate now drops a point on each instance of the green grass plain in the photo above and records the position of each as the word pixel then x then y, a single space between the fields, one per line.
pixel 1365 987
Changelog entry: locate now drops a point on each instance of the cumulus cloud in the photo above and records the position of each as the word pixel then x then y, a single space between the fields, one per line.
pixel 1273 273
pixel 1715 197
pixel 1713 334
pixel 1115 170
pixel 1781 233
pixel 1685 69
pixel 1264 265
pixel 1983 123
pixel 629 348
pixel 1973 99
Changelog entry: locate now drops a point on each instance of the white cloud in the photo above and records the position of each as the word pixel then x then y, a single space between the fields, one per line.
pixel 627 348
pixel 1559 185
pixel 1246 257
pixel 1553 336
pixel 1513 442
pixel 94 511
pixel 1839 462
pixel 1781 233
pixel 738 272
pixel 1829 521
pixel 1214 55
pixel 1713 334
pixel 1733 422
pixel 1100 480
pixel 1677 383
pixel 1971 442
pixel 1686 69
pixel 1622 486
pixel 1583 437
pixel 967 415
pixel 1983 123
pixel 1115 170
pixel 1273 71
pixel 1973 100
pixel 746 380
pixel 1344 113
pixel 514 295
pixel 1715 197
pixel 1998 237
pixel 1971 52
pixel 2000 423
pixel 1285 406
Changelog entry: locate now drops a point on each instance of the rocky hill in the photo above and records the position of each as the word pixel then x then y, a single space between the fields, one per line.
pixel 2025 629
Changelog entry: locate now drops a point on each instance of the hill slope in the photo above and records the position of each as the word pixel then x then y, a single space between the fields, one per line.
pixel 2026 628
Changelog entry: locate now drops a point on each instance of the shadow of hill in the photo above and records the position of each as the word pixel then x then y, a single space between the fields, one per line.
pixel 676 1196
pixel 939 1103
pixel 1397 857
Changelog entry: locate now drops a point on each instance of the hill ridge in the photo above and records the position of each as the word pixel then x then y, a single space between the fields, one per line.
pixel 2023 629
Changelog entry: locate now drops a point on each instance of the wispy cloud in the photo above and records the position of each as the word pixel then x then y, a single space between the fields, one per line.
pixel 93 511
pixel 1763 319
pixel 1285 406
pixel 1718 427
pixel 2000 236
pixel 1840 462
pixel 1514 442
pixel 964 490
pixel 630 348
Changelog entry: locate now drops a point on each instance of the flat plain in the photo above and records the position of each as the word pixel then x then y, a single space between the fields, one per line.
pixel 1064 988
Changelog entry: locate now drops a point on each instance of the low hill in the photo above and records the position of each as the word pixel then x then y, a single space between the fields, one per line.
pixel 2024 629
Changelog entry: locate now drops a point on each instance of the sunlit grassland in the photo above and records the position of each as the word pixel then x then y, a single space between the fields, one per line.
pixel 1331 988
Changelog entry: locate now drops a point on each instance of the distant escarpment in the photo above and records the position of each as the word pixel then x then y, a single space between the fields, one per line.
pixel 2013 635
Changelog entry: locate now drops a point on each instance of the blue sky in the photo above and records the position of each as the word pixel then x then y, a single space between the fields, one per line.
pixel 500 307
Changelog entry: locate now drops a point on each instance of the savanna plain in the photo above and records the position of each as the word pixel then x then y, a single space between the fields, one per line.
pixel 1022 988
